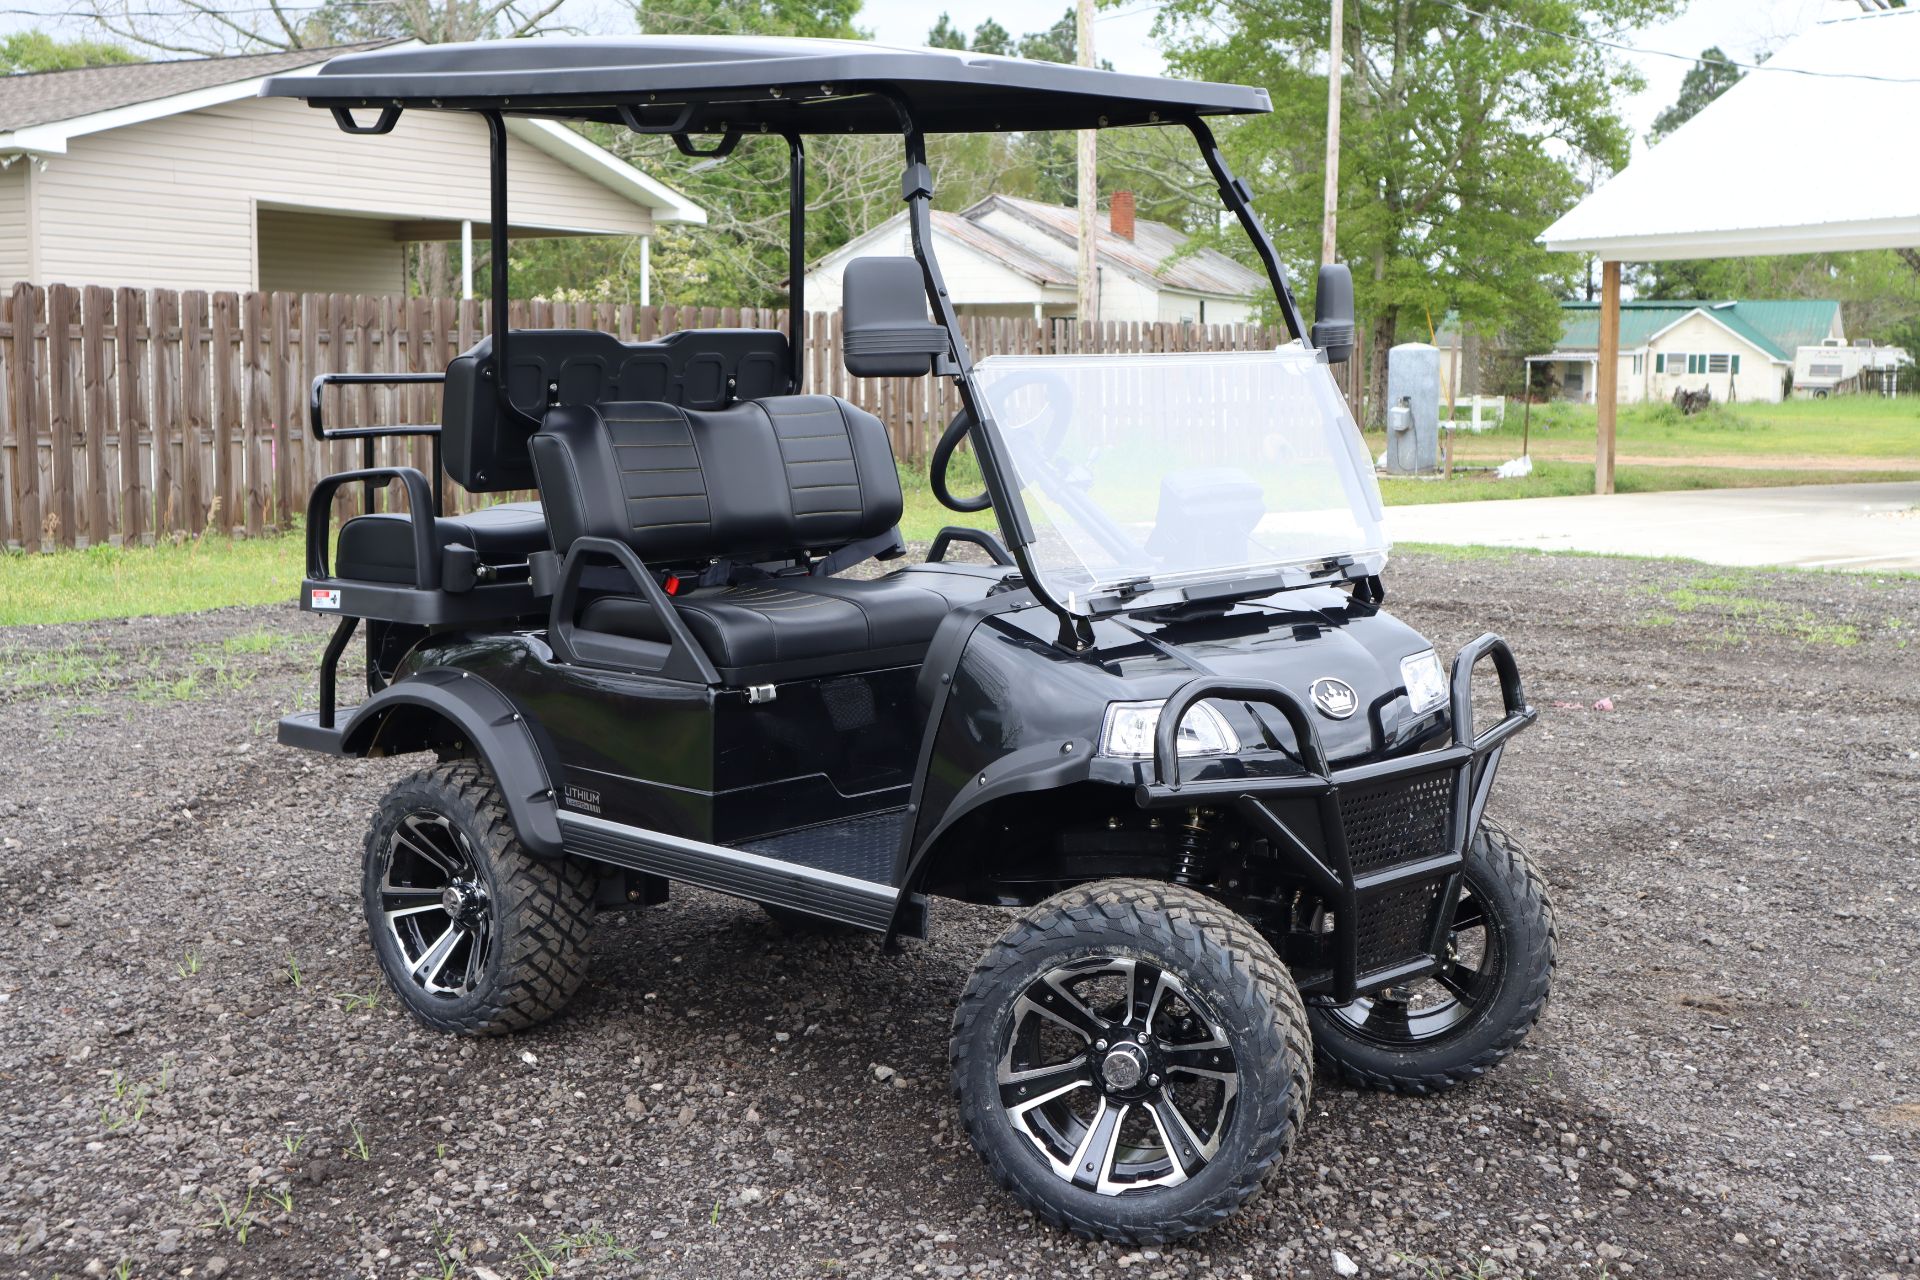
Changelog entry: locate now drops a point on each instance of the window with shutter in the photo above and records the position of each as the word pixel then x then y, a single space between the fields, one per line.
pixel 1719 363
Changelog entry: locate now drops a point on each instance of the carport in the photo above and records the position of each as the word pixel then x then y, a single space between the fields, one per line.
pixel 1789 160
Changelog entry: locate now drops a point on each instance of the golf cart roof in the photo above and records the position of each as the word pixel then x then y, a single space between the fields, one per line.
pixel 754 84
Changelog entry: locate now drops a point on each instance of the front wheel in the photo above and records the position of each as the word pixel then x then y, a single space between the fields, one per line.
pixel 475 935
pixel 1131 1061
pixel 1490 989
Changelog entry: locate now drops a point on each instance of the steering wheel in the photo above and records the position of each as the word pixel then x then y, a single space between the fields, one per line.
pixel 1049 421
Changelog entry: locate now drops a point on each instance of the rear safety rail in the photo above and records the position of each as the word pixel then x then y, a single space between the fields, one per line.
pixel 368 435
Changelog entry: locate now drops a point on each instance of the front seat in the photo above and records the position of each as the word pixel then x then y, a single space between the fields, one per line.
pixel 779 479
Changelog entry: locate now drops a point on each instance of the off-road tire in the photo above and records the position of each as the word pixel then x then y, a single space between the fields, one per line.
pixel 1514 893
pixel 542 910
pixel 1213 951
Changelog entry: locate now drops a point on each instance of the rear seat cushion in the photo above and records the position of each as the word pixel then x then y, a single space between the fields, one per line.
pixel 796 627
pixel 379 547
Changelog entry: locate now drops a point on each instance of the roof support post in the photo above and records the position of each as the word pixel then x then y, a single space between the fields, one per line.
pixel 497 239
pixel 1238 197
pixel 1016 527
pixel 796 260
pixel 1607 376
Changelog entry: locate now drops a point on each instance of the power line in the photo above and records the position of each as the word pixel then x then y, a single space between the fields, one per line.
pixel 1622 47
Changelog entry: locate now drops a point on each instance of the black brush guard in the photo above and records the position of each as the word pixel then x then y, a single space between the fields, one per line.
pixel 1392 835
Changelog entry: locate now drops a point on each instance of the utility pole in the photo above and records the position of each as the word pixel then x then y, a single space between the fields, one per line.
pixel 1334 69
pixel 1089 188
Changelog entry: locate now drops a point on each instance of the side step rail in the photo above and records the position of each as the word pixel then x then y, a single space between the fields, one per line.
pixel 867 904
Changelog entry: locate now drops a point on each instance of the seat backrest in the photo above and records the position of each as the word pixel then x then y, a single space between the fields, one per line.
pixel 760 480
pixel 700 368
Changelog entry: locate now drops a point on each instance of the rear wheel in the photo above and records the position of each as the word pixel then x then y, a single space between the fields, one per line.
pixel 474 934
pixel 1131 1061
pixel 1491 988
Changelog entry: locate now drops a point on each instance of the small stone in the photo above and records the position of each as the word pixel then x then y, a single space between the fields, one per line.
pixel 1740 1238
pixel 1343 1265
pixel 1881 1157
pixel 216 1266
pixel 883 1074
pixel 527 1056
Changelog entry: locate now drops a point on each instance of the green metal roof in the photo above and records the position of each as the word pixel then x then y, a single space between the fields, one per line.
pixel 1776 328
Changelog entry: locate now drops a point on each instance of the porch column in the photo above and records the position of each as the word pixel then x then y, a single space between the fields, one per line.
pixel 1607 376
pixel 646 271
pixel 466 258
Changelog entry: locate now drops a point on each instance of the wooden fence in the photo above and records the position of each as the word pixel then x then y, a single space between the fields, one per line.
pixel 132 414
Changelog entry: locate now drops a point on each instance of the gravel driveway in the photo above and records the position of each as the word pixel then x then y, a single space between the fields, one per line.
pixel 200 1073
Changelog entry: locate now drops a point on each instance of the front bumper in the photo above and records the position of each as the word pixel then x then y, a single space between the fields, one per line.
pixel 1382 844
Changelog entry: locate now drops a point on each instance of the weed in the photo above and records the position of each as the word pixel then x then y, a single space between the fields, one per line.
pixel 127 1107
pixel 350 1002
pixel 283 1198
pixel 538 1263
pixel 360 1150
pixel 293 971
pixel 189 963
pixel 237 1221
pixel 293 1142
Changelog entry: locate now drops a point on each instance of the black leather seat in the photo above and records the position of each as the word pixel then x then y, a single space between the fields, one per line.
pixel 379 547
pixel 773 480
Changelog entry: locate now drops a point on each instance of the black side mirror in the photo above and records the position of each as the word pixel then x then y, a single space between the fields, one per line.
pixel 885 330
pixel 1333 312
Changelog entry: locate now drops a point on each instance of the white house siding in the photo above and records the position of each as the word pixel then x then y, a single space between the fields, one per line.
pixel 15 241
pixel 979 284
pixel 324 253
pixel 171 202
pixel 1759 378
pixel 1191 306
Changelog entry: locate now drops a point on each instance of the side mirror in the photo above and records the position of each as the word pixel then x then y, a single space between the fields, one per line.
pixel 1333 312
pixel 885 332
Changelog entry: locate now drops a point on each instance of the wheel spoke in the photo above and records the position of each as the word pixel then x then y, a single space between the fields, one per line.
pixel 1210 1058
pixel 396 914
pixel 1149 981
pixel 418 842
pixel 1459 980
pixel 1468 915
pixel 1051 1000
pixel 1023 1090
pixel 427 968
pixel 1093 1161
pixel 1184 1148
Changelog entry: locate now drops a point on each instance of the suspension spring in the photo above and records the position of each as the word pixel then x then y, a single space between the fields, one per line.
pixel 1190 848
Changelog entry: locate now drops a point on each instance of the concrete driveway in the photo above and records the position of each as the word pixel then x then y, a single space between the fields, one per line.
pixel 1815 526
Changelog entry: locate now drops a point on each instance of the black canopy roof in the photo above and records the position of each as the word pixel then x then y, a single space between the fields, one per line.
pixel 711 83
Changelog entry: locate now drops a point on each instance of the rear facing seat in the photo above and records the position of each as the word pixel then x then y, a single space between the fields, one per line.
pixel 770 480
pixel 379 547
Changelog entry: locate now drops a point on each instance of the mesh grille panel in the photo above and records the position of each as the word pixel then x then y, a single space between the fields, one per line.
pixel 1398 820
pixel 1391 925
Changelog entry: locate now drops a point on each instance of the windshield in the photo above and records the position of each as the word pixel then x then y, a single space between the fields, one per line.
pixel 1146 474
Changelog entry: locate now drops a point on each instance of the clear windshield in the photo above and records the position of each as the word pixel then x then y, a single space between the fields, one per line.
pixel 1182 469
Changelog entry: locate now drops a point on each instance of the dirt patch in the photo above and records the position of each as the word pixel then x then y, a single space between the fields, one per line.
pixel 198 1062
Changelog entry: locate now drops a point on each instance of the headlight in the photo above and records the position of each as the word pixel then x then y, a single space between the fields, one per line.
pixel 1426 681
pixel 1130 728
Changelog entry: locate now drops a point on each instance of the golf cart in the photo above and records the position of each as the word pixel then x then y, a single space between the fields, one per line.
pixel 1158 706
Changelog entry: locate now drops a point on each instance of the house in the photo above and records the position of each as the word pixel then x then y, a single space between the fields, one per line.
pixel 1006 256
pixel 1739 351
pixel 176 175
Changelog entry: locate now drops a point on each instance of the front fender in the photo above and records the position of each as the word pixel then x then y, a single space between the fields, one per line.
pixel 408 714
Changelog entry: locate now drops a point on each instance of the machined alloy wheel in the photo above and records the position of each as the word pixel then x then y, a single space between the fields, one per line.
pixel 435 905
pixel 473 933
pixel 1131 1061
pixel 1477 1007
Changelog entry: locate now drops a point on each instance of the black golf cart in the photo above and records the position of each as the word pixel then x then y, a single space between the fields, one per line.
pixel 1159 706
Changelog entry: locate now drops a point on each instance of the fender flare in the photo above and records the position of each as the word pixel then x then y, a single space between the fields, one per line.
pixel 498 733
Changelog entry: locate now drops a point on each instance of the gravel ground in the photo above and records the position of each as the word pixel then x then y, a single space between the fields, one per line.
pixel 203 1076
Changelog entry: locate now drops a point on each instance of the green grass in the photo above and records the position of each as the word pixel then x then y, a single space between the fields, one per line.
pixel 1562 479
pixel 120 582
pixel 1862 429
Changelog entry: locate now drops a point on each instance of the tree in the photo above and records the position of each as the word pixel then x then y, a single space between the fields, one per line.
pixel 945 35
pixel 1708 78
pixel 991 37
pixel 212 28
pixel 1459 143
pixel 38 51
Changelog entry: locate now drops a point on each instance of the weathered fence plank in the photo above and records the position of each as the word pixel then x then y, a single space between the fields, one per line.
pixel 135 431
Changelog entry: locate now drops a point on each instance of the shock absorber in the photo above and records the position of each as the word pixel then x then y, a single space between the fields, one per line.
pixel 1190 843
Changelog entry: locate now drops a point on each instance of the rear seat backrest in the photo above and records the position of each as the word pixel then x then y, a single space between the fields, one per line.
pixel 763 479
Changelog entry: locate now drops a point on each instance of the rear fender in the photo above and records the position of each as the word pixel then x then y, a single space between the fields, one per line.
pixel 443 707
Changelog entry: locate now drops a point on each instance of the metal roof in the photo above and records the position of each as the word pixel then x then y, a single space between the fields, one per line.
pixel 1154 254
pixel 46 96
pixel 1774 327
pixel 1779 163
pixel 754 83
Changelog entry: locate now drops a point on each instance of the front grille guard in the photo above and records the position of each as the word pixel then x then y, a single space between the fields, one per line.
pixel 1473 758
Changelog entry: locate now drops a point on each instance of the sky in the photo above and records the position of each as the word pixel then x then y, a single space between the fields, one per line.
pixel 1123 33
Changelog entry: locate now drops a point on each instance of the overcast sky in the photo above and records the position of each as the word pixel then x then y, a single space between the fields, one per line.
pixel 1124 34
